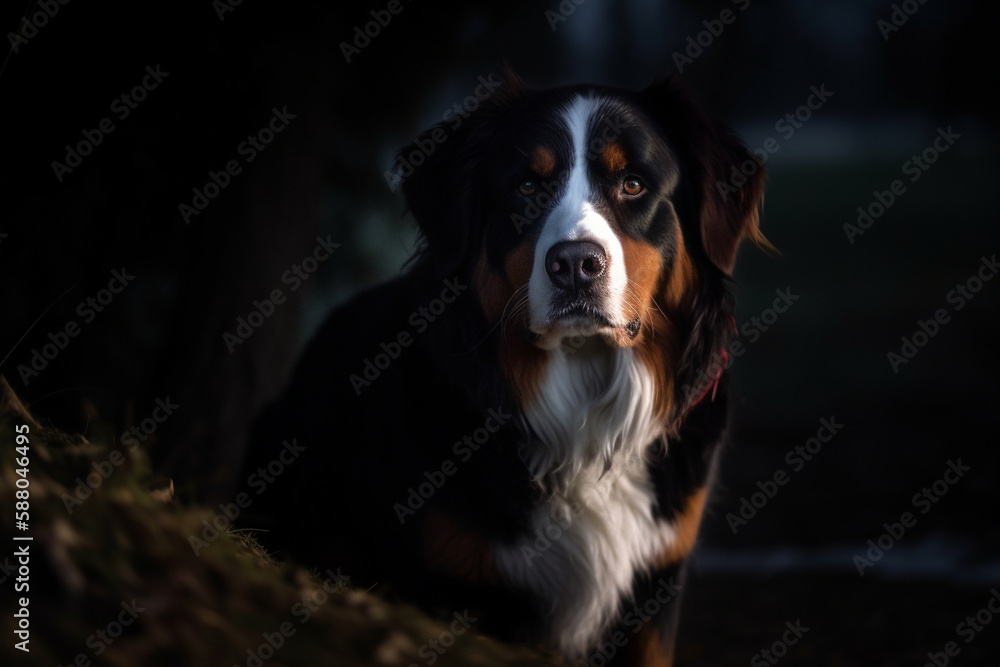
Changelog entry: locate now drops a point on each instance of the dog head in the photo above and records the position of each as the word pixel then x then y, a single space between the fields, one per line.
pixel 593 219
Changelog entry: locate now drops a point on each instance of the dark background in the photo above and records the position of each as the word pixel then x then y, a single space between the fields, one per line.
pixel 323 175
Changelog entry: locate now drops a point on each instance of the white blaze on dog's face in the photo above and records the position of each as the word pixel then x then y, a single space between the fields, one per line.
pixel 579 283
pixel 578 277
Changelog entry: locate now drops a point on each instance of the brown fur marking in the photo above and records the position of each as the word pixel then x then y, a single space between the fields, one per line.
pixel 521 362
pixel 686 525
pixel 613 158
pixel 681 289
pixel 543 161
pixel 658 344
pixel 643 264
pixel 726 222
pixel 646 649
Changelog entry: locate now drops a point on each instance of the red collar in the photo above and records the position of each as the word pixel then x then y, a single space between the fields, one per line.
pixel 714 385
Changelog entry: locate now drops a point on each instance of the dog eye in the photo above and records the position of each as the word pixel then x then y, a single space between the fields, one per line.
pixel 632 186
pixel 527 187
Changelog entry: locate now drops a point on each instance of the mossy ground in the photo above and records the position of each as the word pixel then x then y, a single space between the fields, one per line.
pixel 123 555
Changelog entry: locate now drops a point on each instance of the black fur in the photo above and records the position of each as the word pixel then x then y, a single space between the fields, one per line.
pixel 368 445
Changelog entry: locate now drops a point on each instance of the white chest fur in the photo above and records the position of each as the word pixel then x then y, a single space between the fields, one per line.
pixel 594 415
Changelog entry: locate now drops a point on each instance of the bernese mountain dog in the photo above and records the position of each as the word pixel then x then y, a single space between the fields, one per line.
pixel 524 425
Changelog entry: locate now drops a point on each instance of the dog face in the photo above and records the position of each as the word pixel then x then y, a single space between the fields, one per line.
pixel 591 217
pixel 589 200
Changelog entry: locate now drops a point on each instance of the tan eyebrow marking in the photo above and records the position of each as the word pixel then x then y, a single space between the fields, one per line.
pixel 613 157
pixel 543 161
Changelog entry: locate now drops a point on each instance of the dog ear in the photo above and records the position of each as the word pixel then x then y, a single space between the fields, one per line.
pixel 725 179
pixel 438 171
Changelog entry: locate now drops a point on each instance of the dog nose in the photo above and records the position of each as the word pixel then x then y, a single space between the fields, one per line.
pixel 575 265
